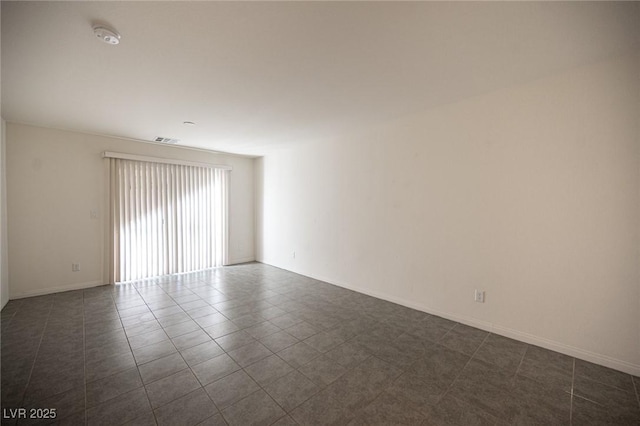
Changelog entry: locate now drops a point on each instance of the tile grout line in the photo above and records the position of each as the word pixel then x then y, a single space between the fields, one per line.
pixel 35 359
pixel 573 378
pixel 243 369
pixel 227 375
pixel 524 354
pixel 189 367
pixel 153 412
pixel 191 370
pixel 449 331
pixel 11 317
pixel 635 386
pixel 462 369
pixel 262 388
pixel 111 292
pixel 84 356
pixel 600 382
pixel 219 411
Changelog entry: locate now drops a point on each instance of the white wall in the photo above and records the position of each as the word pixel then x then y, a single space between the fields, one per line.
pixel 55 178
pixel 531 193
pixel 4 262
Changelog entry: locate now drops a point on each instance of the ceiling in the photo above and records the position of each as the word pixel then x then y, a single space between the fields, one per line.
pixel 257 76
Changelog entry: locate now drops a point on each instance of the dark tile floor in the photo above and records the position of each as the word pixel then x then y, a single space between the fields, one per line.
pixel 253 344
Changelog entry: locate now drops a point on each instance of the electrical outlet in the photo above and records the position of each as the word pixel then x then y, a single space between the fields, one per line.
pixel 75 267
pixel 479 296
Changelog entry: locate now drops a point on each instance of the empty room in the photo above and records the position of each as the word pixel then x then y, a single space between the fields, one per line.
pixel 320 213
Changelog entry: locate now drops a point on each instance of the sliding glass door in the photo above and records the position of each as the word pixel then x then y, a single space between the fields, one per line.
pixel 166 218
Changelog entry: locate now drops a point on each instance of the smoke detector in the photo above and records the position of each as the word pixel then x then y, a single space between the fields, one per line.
pixel 166 140
pixel 107 35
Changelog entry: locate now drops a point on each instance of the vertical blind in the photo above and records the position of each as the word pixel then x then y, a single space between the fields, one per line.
pixel 166 218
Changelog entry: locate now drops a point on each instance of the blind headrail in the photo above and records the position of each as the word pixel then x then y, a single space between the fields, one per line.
pixel 124 156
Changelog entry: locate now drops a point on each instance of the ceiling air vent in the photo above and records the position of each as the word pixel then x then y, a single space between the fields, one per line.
pixel 166 140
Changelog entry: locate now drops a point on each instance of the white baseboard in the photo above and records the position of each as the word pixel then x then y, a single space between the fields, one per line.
pixel 241 260
pixel 572 351
pixel 58 289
